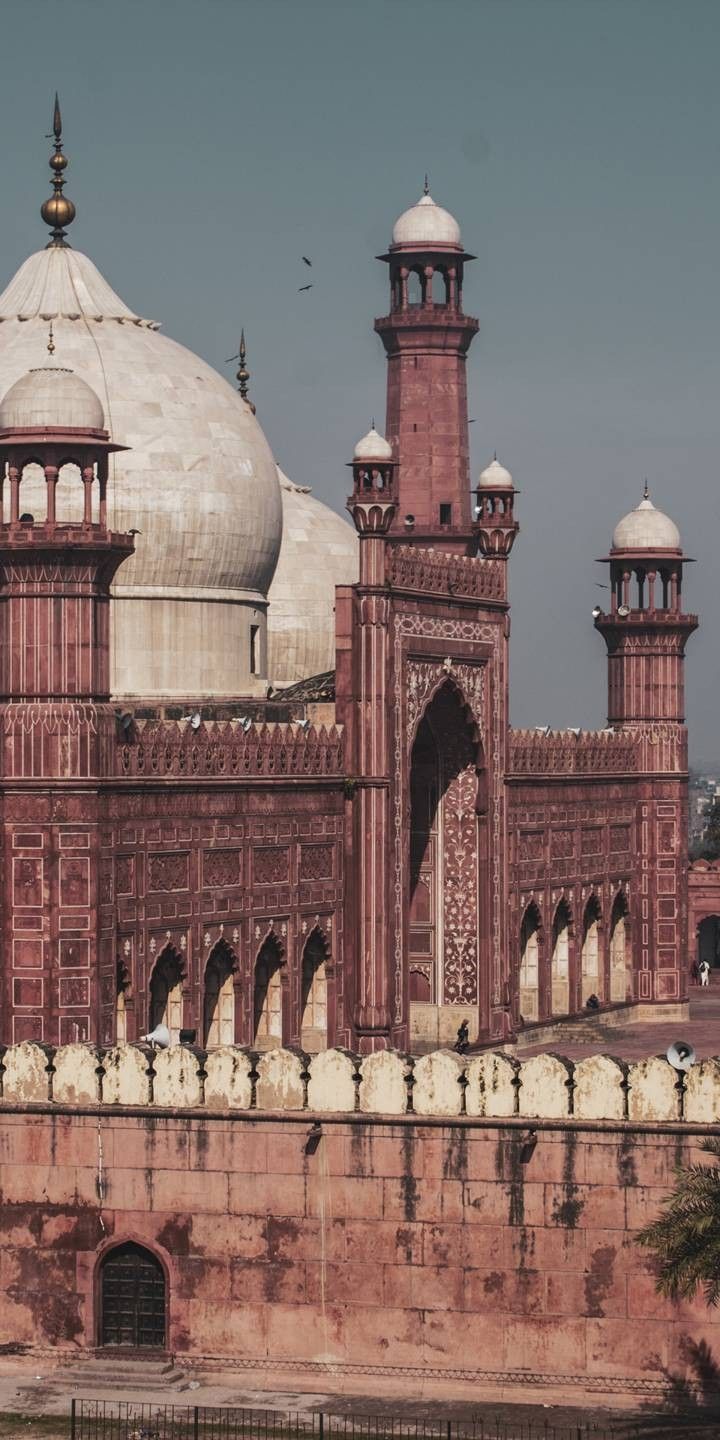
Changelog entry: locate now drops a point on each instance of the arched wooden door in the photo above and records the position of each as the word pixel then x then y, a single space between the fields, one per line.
pixel 132 1302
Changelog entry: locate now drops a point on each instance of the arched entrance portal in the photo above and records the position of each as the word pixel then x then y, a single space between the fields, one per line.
pixel 708 940
pixel 132 1298
pixel 445 864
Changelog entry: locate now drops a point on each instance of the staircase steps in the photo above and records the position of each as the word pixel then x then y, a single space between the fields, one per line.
pixel 123 1373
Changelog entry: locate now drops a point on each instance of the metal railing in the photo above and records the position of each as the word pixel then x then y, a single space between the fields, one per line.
pixel 125 1420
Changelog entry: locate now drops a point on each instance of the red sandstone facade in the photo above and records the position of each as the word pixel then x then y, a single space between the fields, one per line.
pixel 375 880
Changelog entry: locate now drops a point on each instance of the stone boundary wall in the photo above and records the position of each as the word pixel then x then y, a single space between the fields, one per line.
pixel 442 1084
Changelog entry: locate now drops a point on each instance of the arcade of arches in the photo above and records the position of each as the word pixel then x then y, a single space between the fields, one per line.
pixel 255 1008
pixel 594 969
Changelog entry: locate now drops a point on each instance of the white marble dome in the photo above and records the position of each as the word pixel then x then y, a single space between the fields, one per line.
pixel 198 481
pixel 426 224
pixel 495 477
pixel 319 551
pixel 373 446
pixel 51 395
pixel 646 528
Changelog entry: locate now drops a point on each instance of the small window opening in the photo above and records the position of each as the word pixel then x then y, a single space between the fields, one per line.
pixel 254 629
pixel 446 514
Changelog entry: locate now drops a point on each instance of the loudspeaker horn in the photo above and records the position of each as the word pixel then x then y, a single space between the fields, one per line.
pixel 681 1055
pixel 160 1037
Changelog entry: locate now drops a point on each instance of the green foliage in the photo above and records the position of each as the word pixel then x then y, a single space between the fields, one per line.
pixel 685 1239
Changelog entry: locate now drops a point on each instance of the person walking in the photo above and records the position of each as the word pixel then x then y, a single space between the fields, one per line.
pixel 704 973
pixel 695 973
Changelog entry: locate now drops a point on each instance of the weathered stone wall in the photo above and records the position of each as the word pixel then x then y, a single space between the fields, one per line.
pixel 483 1238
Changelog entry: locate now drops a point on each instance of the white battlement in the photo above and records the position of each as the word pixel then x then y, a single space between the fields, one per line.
pixel 489 1085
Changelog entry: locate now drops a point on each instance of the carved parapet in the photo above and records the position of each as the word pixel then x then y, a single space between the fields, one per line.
pixel 487 1087
pixel 227 749
pixel 432 572
pixel 573 752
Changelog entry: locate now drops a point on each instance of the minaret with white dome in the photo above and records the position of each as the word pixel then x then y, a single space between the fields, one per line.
pixel 646 630
pixel 426 336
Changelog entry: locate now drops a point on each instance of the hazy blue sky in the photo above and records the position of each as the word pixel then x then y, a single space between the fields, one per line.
pixel 213 142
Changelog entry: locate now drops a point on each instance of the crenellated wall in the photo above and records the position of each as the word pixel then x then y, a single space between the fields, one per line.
pixel 489 1085
pixel 436 1227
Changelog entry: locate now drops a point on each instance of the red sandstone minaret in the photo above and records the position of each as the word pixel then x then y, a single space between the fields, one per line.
pixel 427 336
pixel 421 684
pixel 57 560
pixel 646 630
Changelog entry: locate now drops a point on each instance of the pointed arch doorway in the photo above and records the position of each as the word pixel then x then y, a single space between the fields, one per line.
pixel 133 1300
pixel 448 864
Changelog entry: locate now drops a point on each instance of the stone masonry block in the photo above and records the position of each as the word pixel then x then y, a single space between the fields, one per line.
pixel 332 1081
pixel 125 1078
pixel 26 1076
pixel 76 1080
pixel 653 1091
pixel 702 1093
pixel 383 1088
pixel 437 1090
pixel 228 1085
pixel 544 1089
pixel 279 1083
pixel 491 1088
pixel 598 1092
pixel 177 1077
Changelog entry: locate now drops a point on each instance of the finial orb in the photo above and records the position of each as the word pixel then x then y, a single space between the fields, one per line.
pixel 58 211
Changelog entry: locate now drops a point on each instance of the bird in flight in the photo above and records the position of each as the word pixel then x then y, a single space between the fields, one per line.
pixel 304 287
pixel 306 261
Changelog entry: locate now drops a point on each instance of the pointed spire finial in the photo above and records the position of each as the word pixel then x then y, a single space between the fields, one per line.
pixel 646 491
pixel 58 211
pixel 426 186
pixel 243 374
pixel 372 423
pixel 51 342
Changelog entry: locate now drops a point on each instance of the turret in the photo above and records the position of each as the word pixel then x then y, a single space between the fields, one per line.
pixel 495 522
pixel 646 630
pixel 56 567
pixel 426 336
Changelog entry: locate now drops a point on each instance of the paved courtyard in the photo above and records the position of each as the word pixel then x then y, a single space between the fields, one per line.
pixel 635 1041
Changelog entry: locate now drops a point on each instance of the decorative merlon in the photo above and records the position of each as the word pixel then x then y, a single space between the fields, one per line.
pixel 490 1085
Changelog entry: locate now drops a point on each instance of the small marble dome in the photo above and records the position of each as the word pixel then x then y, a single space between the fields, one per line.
pixel 319 551
pixel 373 446
pixel 426 224
pixel 646 528
pixel 51 395
pixel 495 476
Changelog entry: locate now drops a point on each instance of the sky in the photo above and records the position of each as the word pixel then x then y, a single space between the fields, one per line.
pixel 212 143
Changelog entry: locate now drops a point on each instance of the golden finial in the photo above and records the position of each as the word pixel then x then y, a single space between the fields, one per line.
pixel 51 342
pixel 243 374
pixel 58 211
pixel 426 187
pixel 646 491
